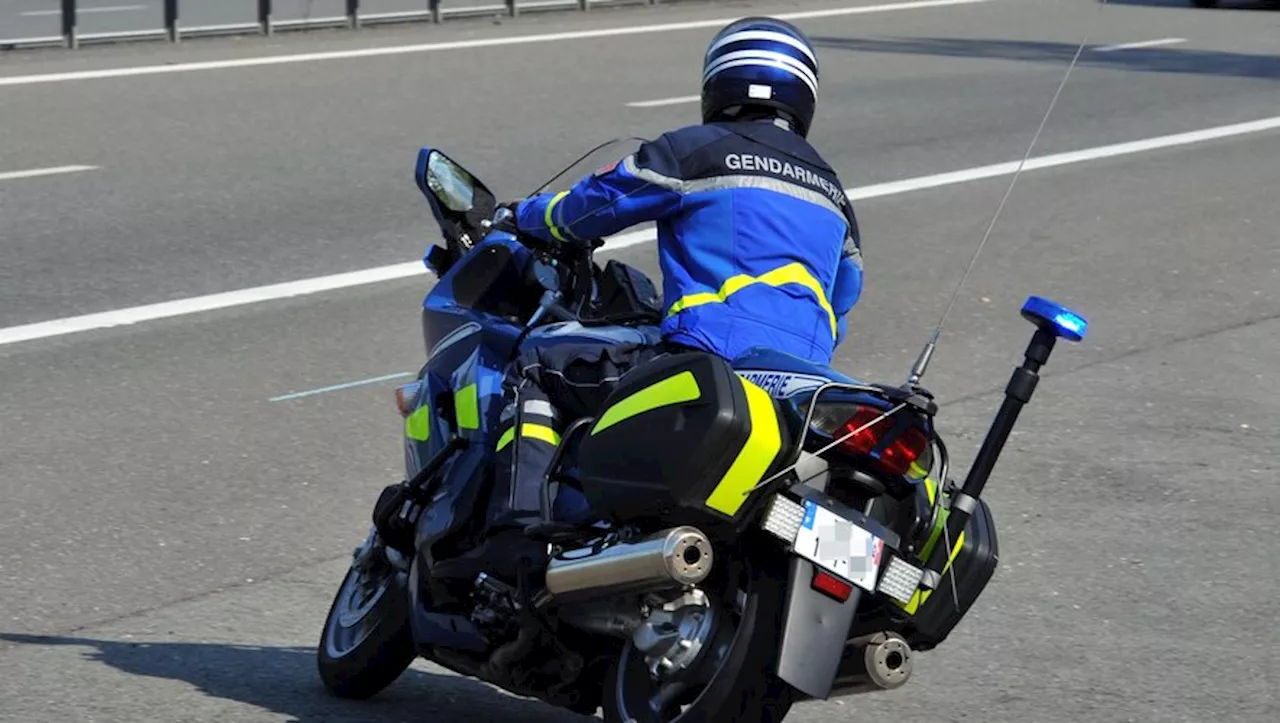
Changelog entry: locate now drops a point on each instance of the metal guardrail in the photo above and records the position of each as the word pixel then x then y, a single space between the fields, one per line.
pixel 436 11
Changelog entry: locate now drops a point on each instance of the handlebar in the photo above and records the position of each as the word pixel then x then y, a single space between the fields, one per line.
pixel 504 219
pixel 574 256
pixel 503 215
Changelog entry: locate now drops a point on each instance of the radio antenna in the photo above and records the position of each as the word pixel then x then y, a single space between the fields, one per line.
pixel 922 362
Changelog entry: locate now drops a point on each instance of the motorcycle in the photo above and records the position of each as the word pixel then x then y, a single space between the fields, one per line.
pixel 726 538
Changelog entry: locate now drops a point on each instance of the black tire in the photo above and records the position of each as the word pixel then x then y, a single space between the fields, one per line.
pixel 744 688
pixel 1205 3
pixel 365 649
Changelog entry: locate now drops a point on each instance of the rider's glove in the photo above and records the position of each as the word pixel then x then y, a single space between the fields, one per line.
pixel 506 218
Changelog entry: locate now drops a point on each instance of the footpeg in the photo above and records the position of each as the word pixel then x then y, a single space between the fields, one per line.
pixel 559 533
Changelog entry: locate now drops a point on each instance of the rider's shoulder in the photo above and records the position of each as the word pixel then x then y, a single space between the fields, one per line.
pixel 687 139
pixel 671 152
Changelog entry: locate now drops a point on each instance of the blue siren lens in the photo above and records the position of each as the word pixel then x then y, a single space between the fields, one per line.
pixel 1056 318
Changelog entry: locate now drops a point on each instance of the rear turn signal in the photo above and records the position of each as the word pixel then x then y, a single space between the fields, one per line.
pixel 832 586
pixel 407 398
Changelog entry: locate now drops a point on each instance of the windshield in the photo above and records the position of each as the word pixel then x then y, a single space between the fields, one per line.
pixel 601 157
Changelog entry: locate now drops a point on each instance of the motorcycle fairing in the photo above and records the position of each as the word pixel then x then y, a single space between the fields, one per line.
pixel 471 320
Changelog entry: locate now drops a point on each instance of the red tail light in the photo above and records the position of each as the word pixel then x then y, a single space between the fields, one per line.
pixel 866 438
pixel 898 455
pixel 826 583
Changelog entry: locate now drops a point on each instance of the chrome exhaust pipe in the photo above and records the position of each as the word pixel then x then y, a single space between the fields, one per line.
pixel 679 556
pixel 882 661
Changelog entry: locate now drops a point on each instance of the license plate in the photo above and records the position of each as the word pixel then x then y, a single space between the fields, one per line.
pixel 839 546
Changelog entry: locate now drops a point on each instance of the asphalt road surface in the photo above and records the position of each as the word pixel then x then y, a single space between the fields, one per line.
pixel 170 538
pixel 42 18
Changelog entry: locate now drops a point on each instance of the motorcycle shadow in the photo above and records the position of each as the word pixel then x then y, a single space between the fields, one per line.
pixel 283 680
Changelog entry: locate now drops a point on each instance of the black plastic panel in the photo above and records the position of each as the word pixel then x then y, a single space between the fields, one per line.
pixel 974 567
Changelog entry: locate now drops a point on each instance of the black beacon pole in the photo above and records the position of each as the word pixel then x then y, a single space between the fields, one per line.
pixel 1053 321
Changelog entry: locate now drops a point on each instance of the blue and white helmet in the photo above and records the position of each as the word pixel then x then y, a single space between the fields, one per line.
pixel 762 62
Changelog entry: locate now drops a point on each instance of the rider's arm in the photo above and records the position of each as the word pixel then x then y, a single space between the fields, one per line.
pixel 848 286
pixel 642 187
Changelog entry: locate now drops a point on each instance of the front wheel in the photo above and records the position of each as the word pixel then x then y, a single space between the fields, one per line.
pixel 708 655
pixel 367 642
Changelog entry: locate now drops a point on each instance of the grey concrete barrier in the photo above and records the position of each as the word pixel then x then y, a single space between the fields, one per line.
pixel 173 31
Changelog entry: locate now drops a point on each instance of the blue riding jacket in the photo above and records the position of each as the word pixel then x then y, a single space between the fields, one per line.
pixel 757 241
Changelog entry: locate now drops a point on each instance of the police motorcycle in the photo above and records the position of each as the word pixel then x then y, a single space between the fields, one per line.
pixel 725 539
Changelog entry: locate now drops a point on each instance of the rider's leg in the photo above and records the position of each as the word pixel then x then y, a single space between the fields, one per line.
pixel 552 383
pixel 529 433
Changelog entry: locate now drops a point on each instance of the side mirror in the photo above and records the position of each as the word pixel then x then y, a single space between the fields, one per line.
pixel 451 184
pixel 462 205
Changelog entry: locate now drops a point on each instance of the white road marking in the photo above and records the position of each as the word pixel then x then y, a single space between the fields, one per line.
pixel 83 11
pixel 137 314
pixel 37 172
pixel 228 299
pixel 339 387
pixel 1143 44
pixel 665 101
pixel 1066 159
pixel 457 44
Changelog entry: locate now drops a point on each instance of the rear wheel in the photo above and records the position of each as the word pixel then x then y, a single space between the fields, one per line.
pixel 707 656
pixel 367 643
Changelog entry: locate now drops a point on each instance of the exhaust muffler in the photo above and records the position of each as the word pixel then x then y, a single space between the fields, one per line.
pixel 882 661
pixel 679 556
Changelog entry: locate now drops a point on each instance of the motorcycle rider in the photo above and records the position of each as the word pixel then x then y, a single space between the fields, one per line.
pixel 757 242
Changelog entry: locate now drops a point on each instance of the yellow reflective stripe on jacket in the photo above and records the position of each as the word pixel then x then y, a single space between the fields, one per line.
pixel 534 431
pixel 673 390
pixel 549 219
pixel 790 274
pixel 757 455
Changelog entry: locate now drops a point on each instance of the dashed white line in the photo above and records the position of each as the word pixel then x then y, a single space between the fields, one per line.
pixel 138 314
pixel 665 101
pixel 1139 45
pixel 38 172
pixel 83 11
pixel 339 387
pixel 459 44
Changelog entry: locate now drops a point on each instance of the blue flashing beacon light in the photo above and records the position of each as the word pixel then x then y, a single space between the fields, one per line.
pixel 1055 318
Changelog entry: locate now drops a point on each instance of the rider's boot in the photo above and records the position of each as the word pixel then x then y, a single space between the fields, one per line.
pixel 520 469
